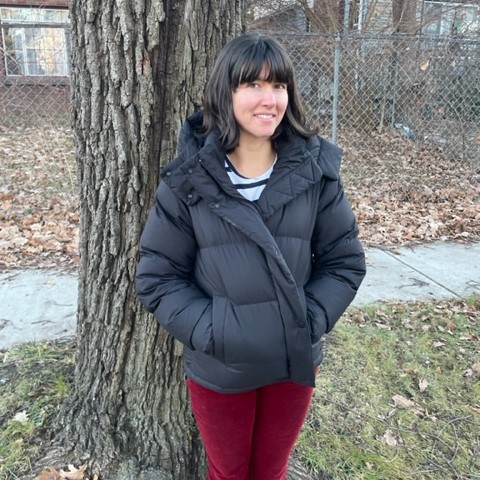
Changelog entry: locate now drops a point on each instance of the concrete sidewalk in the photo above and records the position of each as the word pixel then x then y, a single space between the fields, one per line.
pixel 41 304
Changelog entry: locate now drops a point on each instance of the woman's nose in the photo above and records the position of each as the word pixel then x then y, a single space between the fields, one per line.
pixel 268 97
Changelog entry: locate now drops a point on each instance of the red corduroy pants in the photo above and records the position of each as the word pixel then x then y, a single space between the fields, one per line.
pixel 249 435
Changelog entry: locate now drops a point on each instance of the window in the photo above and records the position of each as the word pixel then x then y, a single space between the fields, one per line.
pixel 447 18
pixel 36 41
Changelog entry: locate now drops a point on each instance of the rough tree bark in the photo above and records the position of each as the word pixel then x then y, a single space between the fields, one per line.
pixel 138 67
pixel 405 16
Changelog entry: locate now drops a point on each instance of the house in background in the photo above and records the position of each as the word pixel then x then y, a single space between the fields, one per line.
pixel 284 17
pixel 34 58
pixel 431 17
pixel 35 43
pixel 451 18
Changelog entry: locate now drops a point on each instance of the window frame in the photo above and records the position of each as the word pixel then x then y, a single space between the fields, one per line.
pixel 446 17
pixel 56 60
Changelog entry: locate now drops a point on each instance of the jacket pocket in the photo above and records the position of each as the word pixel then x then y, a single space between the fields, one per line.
pixel 254 334
pixel 315 319
pixel 219 312
pixel 317 325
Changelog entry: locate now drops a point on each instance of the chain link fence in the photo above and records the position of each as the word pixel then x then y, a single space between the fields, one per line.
pixel 427 89
pixel 33 103
pixel 34 74
pixel 405 109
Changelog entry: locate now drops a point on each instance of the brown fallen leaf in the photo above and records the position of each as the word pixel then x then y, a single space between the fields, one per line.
pixel 74 473
pixel 424 66
pixel 49 473
pixel 451 325
pixel 402 402
pixel 391 439
pixel 423 384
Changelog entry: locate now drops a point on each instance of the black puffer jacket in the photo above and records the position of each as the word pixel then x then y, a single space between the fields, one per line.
pixel 249 288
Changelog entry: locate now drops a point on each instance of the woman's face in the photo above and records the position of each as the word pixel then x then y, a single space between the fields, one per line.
pixel 259 108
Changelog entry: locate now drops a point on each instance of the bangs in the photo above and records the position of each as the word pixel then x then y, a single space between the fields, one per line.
pixel 248 68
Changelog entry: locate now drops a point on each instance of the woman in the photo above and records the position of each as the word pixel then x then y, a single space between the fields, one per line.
pixel 249 256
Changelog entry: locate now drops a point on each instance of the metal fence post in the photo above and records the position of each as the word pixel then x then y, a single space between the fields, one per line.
pixel 336 87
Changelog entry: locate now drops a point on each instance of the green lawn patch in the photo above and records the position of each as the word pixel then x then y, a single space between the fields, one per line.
pixel 35 378
pixel 398 396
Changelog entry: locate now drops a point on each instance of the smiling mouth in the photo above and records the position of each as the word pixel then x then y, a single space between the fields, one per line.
pixel 265 116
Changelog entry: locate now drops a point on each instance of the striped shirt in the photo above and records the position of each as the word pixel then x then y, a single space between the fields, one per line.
pixel 250 188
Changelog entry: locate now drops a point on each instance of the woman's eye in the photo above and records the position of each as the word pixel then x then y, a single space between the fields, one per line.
pixel 281 86
pixel 253 84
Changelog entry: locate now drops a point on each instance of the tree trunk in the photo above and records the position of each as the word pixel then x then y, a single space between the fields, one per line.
pixel 138 67
pixel 405 16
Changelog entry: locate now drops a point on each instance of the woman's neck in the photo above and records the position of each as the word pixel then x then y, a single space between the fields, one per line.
pixel 253 159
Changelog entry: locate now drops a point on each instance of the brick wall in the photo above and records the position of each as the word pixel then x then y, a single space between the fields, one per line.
pixel 34 3
pixel 35 104
pixel 16 96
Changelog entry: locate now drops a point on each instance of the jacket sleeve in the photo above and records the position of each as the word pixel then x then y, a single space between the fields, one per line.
pixel 338 260
pixel 164 273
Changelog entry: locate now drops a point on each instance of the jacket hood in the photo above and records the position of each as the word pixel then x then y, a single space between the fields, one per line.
pixel 191 139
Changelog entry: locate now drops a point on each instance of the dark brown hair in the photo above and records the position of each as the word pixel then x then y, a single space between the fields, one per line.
pixel 242 61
